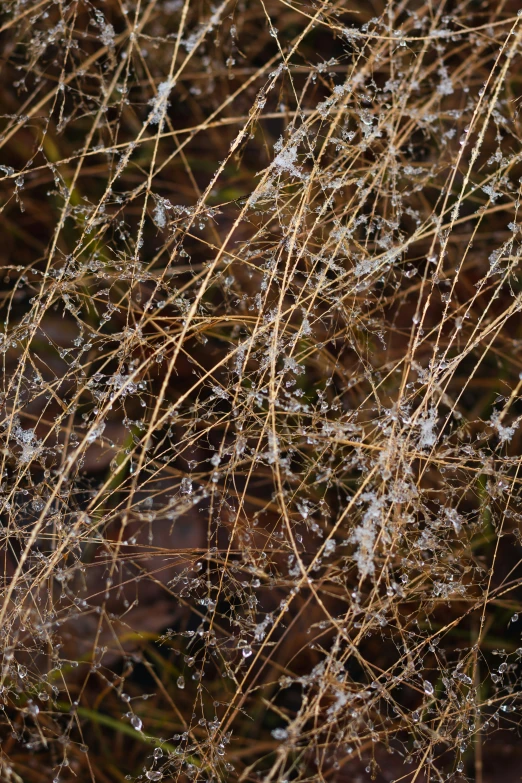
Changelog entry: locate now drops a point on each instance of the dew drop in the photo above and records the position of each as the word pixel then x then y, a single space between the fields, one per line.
pixel 428 688
pixel 136 723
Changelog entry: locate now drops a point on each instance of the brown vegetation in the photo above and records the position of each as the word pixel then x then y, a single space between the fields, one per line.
pixel 261 402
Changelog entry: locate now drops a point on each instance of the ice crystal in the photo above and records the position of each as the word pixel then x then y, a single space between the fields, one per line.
pixel 160 103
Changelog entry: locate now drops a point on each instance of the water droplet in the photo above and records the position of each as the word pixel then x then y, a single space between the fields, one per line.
pixel 428 688
pixel 136 723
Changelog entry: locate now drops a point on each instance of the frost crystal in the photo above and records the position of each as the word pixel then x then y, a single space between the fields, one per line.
pixel 29 443
pixel 160 216
pixel 505 434
pixel 96 433
pixel 365 535
pixel 428 436
pixel 107 33
pixel 160 103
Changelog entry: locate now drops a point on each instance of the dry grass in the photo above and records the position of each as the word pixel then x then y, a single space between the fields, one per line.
pixel 261 404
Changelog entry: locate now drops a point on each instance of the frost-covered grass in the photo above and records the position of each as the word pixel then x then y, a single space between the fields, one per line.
pixel 262 390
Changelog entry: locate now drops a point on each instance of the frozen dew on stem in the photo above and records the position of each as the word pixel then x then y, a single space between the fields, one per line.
pixel 160 103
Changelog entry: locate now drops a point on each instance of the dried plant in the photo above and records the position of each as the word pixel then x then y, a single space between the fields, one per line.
pixel 262 389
